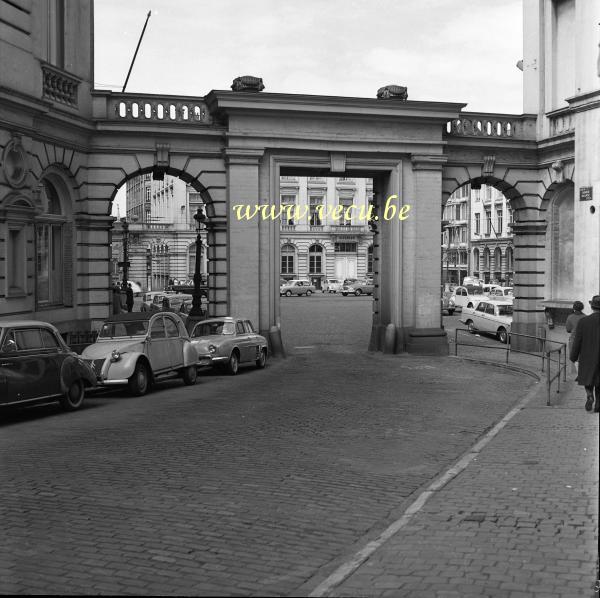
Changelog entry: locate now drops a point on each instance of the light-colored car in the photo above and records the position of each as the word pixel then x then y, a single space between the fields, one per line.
pixel 467 296
pixel 489 316
pixel 36 366
pixel 502 294
pixel 296 287
pixel 230 342
pixel 174 302
pixel 357 288
pixel 332 285
pixel 136 349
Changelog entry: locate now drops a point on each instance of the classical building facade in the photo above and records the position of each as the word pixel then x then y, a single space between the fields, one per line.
pixel 66 149
pixel 477 239
pixel 161 231
pixel 319 244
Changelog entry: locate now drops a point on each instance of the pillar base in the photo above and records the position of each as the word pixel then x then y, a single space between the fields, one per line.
pixel 427 341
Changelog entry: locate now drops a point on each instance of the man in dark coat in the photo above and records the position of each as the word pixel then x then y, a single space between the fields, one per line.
pixel 129 297
pixel 586 350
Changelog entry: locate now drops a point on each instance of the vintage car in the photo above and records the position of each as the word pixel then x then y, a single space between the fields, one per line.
pixel 37 366
pixel 357 287
pixel 175 302
pixel 502 294
pixel 489 316
pixel 230 342
pixel 152 298
pixel 296 287
pixel 467 296
pixel 332 285
pixel 138 348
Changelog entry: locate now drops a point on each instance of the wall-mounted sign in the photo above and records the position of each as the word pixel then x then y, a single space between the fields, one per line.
pixel 585 193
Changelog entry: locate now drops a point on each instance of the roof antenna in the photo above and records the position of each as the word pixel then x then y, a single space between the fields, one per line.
pixel 136 50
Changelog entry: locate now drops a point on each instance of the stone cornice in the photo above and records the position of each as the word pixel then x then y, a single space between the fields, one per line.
pixel 537 227
pixel 93 221
pixel 367 108
pixel 234 155
pixel 428 161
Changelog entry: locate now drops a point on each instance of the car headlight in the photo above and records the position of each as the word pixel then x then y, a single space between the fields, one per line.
pixel 115 355
pixel 212 349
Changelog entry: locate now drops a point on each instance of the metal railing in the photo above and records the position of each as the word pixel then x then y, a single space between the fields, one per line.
pixel 545 354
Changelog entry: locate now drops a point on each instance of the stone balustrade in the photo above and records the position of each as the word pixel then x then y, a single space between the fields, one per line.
pixel 561 122
pixel 473 124
pixel 58 86
pixel 146 107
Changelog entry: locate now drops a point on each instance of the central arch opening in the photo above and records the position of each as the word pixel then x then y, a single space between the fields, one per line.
pixel 327 270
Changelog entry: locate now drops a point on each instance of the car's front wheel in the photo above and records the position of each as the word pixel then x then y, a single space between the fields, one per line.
pixel 140 380
pixel 261 362
pixel 189 375
pixel 288 293
pixel 358 292
pixel 471 326
pixel 233 364
pixel 73 398
pixel 345 294
pixel 502 335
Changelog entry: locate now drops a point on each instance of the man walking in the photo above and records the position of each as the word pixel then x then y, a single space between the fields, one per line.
pixel 129 297
pixel 586 350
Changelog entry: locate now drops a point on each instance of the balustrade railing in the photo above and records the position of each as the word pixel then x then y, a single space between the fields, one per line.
pixel 561 122
pixel 145 107
pixel 472 124
pixel 58 86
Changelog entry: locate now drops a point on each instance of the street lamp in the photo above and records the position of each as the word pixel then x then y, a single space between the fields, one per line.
pixel 125 263
pixel 196 311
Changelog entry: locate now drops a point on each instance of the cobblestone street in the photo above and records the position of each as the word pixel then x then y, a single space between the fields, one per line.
pixel 264 483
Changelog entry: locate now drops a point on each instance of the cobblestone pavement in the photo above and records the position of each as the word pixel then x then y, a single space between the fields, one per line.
pixel 264 483
pixel 520 520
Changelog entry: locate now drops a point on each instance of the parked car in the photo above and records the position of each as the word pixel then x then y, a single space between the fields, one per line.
pixel 332 285
pixel 489 316
pixel 154 298
pixel 357 287
pixel 447 304
pixel 467 296
pixel 296 287
pixel 230 342
pixel 136 349
pixel 502 294
pixel 174 302
pixel 37 366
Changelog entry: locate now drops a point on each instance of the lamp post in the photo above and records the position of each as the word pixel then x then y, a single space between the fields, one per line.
pixel 196 311
pixel 125 226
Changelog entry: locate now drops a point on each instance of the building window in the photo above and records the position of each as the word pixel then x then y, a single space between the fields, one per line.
pixel 488 222
pixel 315 259
pixel 56 33
pixel 288 203
pixel 345 247
pixel 288 254
pixel 345 203
pixel 315 219
pixel 477 224
pixel 499 221
pixel 370 259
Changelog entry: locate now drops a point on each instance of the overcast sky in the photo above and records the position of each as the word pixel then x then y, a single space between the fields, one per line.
pixel 442 50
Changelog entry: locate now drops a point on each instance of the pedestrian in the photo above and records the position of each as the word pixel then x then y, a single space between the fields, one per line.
pixel 586 350
pixel 129 297
pixel 571 325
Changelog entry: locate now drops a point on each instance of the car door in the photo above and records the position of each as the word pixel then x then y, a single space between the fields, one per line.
pixel 158 345
pixel 253 341
pixel 479 315
pixel 490 318
pixel 11 378
pixel 243 341
pixel 175 341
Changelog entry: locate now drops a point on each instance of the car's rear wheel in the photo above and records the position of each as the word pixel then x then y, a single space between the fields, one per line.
pixel 140 380
pixel 470 326
pixel 189 375
pixel 233 365
pixel 308 293
pixel 261 362
pixel 502 335
pixel 358 292
pixel 345 294
pixel 288 293
pixel 73 398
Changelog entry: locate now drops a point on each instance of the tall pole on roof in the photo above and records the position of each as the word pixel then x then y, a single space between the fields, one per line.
pixel 136 50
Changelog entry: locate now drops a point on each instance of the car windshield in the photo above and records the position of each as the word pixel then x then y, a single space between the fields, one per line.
pixel 215 328
pixel 116 329
pixel 505 310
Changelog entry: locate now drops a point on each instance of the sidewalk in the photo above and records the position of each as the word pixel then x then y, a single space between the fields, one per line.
pixel 521 518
